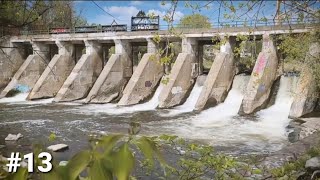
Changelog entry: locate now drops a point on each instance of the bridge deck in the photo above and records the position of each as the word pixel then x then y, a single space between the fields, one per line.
pixel 142 35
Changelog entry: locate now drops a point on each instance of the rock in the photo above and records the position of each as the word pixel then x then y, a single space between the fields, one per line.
pixel 63 163
pixel 302 176
pixel 315 175
pixel 57 147
pixel 2 158
pixel 313 164
pixel 13 137
pixel 294 136
pixel 2 146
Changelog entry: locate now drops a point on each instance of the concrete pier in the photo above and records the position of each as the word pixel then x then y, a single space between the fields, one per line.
pixel 182 76
pixel 31 69
pixel 219 79
pixel 83 75
pixel 145 78
pixel 262 78
pixel 11 58
pixel 114 76
pixel 56 72
pixel 306 95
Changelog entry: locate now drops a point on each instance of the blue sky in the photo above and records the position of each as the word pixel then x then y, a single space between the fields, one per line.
pixel 123 10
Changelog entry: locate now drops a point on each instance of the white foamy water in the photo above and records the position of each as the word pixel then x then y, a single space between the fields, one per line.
pixel 189 105
pixel 114 109
pixel 273 120
pixel 222 125
pixel 21 99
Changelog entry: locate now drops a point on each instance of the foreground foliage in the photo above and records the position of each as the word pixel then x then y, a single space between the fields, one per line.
pixel 117 156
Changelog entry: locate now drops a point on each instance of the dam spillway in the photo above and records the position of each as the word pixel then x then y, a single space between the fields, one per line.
pixel 220 126
pixel 96 93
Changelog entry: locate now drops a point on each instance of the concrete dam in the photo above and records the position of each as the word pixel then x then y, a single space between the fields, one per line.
pixel 79 68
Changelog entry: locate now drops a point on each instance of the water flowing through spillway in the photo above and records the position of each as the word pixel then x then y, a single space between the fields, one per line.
pixel 222 125
pixel 189 105
pixel 21 99
pixel 114 109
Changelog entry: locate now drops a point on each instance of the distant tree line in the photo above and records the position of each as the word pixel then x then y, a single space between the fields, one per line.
pixel 38 15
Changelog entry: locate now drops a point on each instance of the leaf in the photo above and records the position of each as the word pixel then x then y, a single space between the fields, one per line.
pixel 98 171
pixel 21 174
pixel 78 163
pixel 123 162
pixel 257 171
pixel 54 174
pixel 108 142
pixel 149 150
pixel 52 137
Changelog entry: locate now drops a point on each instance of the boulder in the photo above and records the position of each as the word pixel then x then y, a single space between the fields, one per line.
pixel 63 163
pixel 13 137
pixel 57 147
pixel 313 164
pixel 2 158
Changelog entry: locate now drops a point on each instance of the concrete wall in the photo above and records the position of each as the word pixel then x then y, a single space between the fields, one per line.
pixel 10 61
pixel 83 75
pixel 306 94
pixel 55 74
pixel 182 76
pixel 262 78
pixel 114 76
pixel 31 69
pixel 143 81
pixel 180 82
pixel 219 79
pixel 145 78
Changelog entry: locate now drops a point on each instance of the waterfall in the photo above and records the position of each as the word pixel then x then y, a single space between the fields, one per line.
pixel 17 98
pixel 189 105
pixel 21 99
pixel 221 125
pixel 114 109
pixel 274 119
pixel 218 115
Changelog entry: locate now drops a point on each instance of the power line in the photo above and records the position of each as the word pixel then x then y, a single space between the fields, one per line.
pixel 105 11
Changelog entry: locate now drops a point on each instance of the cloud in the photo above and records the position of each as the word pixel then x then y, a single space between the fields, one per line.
pixel 136 3
pixel 122 15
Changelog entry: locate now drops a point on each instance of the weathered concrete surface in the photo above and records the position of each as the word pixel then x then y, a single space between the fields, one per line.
pixel 219 79
pixel 306 94
pixel 182 76
pixel 10 61
pixel 83 75
pixel 145 78
pixel 262 78
pixel 31 69
pixel 143 82
pixel 114 76
pixel 55 74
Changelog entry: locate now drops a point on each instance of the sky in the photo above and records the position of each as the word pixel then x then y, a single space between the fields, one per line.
pixel 124 10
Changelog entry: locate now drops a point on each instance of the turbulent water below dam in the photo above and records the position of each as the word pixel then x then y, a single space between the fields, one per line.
pixel 220 126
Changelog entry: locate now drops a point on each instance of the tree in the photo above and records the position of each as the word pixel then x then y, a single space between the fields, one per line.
pixel 195 21
pixel 38 15
pixel 141 14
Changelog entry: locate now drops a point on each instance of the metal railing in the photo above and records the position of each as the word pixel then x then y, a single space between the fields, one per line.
pixel 116 28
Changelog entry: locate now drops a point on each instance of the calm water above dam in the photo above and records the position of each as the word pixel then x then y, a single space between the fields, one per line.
pixel 219 126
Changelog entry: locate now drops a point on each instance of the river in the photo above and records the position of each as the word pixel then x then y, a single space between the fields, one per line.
pixel 220 126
